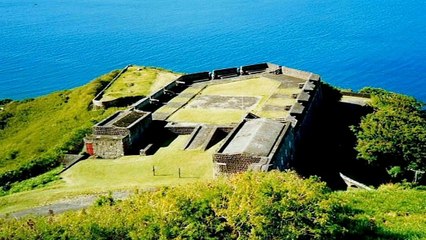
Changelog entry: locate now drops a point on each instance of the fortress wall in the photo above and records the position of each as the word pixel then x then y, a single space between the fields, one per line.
pixel 119 102
pixel 255 68
pixel 107 147
pixel 296 73
pixel 232 163
pixel 138 128
pixel 194 77
pixel 283 155
pixel 184 130
pixel 226 72
pixel 161 94
pixel 113 131
pixel 310 108
pixel 97 100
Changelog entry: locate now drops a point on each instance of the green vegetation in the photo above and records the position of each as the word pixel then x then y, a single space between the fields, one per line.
pixel 400 213
pixel 35 133
pixel 40 181
pixel 394 135
pixel 259 86
pixel 270 205
pixel 138 81
pixel 5 101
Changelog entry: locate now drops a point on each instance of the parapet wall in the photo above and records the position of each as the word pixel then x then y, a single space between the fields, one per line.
pixel 110 131
pixel 296 73
pixel 310 96
pixel 97 100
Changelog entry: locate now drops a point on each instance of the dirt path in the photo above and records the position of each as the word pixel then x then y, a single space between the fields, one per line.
pixel 66 205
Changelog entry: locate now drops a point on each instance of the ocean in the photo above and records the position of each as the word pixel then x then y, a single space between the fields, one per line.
pixel 50 45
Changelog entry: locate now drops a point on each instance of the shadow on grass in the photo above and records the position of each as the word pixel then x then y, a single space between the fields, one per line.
pixel 360 225
pixel 162 175
pixel 189 177
pixel 331 144
pixel 158 137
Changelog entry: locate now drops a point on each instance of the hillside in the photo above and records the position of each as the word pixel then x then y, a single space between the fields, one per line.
pixel 37 131
pixel 183 201
pixel 34 133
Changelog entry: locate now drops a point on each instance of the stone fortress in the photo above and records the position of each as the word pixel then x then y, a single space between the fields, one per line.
pixel 256 113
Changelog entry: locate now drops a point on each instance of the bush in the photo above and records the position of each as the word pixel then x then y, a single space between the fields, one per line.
pixel 394 135
pixel 32 183
pixel 270 205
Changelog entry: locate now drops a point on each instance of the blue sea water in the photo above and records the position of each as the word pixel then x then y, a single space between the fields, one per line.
pixel 48 45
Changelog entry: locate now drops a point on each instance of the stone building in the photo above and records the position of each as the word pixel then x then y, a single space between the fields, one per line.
pixel 263 130
pixel 255 144
pixel 118 134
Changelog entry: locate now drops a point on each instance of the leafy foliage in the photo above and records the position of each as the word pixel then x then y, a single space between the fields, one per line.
pixel 32 183
pixel 5 101
pixel 270 205
pixel 105 200
pixel 34 133
pixel 394 135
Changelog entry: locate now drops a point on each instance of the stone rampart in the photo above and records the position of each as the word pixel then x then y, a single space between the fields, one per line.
pixel 97 100
pixel 225 73
pixel 296 73
pixel 181 130
pixel 233 163
pixel 112 131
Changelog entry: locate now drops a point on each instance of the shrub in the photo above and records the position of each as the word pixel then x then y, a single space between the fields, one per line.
pixel 270 205
pixel 394 135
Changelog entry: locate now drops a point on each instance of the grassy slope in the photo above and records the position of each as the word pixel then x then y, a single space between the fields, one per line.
pixel 130 172
pixel 400 213
pixel 46 123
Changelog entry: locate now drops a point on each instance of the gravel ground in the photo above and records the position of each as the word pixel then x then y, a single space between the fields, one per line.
pixel 66 205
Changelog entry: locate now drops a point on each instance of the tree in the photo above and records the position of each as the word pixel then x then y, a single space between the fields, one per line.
pixel 394 135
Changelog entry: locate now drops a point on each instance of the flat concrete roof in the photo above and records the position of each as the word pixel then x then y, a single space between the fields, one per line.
pixel 256 137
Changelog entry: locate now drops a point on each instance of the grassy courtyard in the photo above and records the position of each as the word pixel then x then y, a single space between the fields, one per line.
pixel 138 81
pixel 228 103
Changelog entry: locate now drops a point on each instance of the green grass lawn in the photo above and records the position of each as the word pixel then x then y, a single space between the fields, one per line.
pixel 401 213
pixel 259 86
pixel 138 81
pixel 208 116
pixel 126 173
